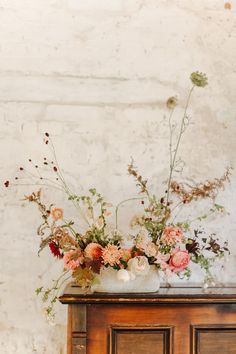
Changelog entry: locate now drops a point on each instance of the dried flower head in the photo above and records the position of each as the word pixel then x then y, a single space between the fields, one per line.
pixel 6 184
pixel 172 102
pixel 62 237
pixel 207 189
pixel 142 183
pixel 199 79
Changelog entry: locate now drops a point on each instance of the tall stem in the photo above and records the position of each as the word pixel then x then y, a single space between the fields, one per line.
pixel 125 201
pixel 173 161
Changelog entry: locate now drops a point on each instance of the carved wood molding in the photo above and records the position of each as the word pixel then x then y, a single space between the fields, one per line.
pixel 213 338
pixel 159 338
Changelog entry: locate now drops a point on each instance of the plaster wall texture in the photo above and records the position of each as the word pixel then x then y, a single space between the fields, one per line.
pixel 96 75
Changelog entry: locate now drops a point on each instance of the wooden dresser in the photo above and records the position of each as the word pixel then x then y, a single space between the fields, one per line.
pixel 179 320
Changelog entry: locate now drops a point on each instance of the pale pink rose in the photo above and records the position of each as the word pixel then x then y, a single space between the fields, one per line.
pixel 111 254
pixel 162 259
pixel 73 259
pixel 93 250
pixel 172 235
pixel 179 260
pixel 151 249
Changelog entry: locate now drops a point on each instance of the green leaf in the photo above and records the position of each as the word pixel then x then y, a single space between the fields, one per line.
pixel 93 191
pixel 39 290
pixel 219 207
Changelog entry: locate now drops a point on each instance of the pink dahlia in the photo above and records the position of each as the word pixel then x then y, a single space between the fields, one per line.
pixel 73 259
pixel 111 254
pixel 93 250
pixel 172 235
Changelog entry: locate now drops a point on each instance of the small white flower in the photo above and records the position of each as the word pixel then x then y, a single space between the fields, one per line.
pixel 123 275
pixel 139 265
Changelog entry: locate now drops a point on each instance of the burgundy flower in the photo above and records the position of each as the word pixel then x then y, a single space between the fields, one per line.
pixel 55 249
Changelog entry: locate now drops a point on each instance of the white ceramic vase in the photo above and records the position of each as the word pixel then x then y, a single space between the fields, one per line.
pixel 109 282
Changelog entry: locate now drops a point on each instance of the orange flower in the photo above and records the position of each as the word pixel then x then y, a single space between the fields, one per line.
pixel 126 254
pixel 93 250
pixel 228 6
pixel 57 213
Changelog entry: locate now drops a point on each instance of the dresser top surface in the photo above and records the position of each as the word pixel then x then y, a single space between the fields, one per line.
pixel 175 294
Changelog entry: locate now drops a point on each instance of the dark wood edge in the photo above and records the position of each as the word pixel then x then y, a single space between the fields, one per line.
pixel 175 294
pixel 71 299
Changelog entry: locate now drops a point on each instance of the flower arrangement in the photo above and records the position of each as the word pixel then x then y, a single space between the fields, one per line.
pixel 157 237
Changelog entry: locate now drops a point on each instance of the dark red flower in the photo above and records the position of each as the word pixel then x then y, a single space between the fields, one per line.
pixel 94 265
pixel 55 249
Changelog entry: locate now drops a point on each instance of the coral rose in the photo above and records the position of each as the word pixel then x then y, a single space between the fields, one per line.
pixel 93 250
pixel 179 260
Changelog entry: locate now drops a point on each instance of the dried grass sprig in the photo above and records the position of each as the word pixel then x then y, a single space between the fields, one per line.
pixel 207 189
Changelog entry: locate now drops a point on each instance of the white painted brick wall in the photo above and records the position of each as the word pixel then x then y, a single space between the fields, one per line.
pixel 96 75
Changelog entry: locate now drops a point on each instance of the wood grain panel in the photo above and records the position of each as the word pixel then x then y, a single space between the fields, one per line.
pixel 100 317
pixel 76 337
pixel 140 340
pixel 79 345
pixel 78 318
pixel 214 339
